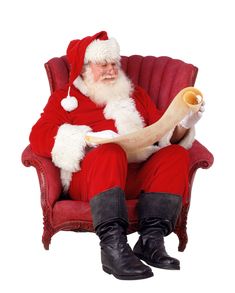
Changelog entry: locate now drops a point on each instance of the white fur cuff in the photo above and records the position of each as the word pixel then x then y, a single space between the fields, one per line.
pixel 69 147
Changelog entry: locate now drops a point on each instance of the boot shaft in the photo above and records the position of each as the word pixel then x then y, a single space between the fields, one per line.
pixel 109 206
pixel 158 212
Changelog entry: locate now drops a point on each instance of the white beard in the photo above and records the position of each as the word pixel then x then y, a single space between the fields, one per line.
pixel 101 93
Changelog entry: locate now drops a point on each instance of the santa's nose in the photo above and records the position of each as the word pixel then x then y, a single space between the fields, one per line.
pixel 110 67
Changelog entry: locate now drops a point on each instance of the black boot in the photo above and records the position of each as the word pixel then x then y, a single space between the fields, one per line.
pixel 110 220
pixel 158 213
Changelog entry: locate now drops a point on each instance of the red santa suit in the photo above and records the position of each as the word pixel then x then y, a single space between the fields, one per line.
pixel 59 134
pixel 85 172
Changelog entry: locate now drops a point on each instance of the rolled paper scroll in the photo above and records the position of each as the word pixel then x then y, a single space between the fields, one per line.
pixel 187 100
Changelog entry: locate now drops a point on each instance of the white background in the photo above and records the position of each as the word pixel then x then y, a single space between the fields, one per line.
pixel 198 32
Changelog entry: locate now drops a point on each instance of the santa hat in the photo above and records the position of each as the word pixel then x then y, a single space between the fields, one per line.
pixel 95 48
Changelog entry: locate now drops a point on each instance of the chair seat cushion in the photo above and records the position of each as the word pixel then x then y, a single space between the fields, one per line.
pixel 72 211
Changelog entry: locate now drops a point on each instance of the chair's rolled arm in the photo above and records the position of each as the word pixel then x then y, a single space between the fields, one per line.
pixel 199 157
pixel 48 175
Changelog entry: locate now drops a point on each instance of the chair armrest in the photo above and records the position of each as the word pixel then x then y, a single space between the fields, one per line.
pixel 199 157
pixel 48 175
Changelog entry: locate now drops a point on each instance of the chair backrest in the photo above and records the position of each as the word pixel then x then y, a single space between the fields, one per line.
pixel 161 77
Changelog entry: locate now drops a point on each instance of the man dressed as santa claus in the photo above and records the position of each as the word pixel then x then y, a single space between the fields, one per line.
pixel 100 100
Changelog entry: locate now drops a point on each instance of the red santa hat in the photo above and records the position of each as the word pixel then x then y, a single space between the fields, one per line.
pixel 96 49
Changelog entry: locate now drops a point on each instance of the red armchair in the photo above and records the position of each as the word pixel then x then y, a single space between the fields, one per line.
pixel 162 78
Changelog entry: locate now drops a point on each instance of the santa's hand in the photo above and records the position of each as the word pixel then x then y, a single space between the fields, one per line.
pixel 101 134
pixel 192 118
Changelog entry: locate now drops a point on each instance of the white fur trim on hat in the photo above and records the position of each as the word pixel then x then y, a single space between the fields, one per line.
pixel 69 103
pixel 102 50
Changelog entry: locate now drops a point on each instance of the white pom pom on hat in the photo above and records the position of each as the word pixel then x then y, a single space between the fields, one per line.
pixel 69 103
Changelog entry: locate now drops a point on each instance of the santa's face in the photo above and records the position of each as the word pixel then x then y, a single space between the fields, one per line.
pixel 105 72
pixel 103 84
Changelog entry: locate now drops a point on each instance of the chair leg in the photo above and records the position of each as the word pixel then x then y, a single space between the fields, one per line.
pixel 48 231
pixel 183 239
pixel 46 238
pixel 181 228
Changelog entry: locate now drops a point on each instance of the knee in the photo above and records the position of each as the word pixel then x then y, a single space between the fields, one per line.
pixel 179 153
pixel 174 154
pixel 113 150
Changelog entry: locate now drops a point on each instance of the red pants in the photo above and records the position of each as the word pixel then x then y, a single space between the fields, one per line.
pixel 106 167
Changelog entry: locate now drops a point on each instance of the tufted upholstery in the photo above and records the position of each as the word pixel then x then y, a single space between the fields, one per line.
pixel 162 78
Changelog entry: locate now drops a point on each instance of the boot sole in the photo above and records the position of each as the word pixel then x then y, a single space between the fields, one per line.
pixel 165 267
pixel 125 277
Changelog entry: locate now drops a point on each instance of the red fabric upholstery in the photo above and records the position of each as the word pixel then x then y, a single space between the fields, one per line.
pixel 162 78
